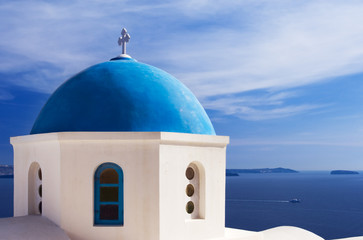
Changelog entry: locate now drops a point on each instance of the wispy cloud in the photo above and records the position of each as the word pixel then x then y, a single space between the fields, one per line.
pixel 258 106
pixel 218 48
pixel 282 49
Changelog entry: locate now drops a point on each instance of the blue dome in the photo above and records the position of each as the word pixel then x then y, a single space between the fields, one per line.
pixel 123 95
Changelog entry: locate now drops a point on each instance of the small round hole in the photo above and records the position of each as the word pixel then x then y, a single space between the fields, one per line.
pixel 40 174
pixel 190 190
pixel 40 190
pixel 189 173
pixel 40 207
pixel 190 207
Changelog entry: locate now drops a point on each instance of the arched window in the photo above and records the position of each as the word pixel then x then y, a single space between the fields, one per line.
pixel 108 195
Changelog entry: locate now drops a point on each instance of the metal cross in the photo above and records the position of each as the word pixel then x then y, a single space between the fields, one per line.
pixel 125 37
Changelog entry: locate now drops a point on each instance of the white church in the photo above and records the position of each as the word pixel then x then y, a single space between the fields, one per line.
pixel 123 150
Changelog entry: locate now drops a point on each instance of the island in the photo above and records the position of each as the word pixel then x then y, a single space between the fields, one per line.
pixel 340 172
pixel 6 171
pixel 236 172
pixel 230 173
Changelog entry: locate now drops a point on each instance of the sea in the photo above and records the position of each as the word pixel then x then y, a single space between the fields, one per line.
pixel 330 205
pixel 6 197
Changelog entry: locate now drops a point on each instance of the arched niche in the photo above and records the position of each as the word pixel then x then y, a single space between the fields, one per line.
pixel 195 191
pixel 35 189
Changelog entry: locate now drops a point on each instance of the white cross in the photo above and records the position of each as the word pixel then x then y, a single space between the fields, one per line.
pixel 125 37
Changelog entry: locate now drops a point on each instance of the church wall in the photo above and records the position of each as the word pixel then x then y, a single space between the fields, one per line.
pixel 138 159
pixel 153 165
pixel 44 150
pixel 174 159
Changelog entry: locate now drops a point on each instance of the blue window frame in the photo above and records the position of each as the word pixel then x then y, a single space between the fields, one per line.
pixel 108 195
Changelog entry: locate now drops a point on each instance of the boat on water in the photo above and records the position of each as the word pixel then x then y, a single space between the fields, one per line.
pixel 295 200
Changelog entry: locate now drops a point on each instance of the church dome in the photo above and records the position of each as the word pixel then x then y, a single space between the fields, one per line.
pixel 123 95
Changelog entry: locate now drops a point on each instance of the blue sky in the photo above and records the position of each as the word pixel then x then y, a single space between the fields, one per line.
pixel 283 79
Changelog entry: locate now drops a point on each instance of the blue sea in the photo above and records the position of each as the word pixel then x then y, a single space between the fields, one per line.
pixel 6 197
pixel 331 205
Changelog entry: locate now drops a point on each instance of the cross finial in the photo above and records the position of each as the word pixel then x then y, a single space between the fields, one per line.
pixel 125 37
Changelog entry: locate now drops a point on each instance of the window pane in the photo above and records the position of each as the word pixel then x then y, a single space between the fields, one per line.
pixel 109 175
pixel 40 190
pixel 109 194
pixel 109 212
pixel 40 207
pixel 40 174
pixel 189 173
pixel 190 207
pixel 190 190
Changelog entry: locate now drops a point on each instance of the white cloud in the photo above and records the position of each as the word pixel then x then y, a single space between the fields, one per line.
pixel 249 113
pixel 259 106
pixel 317 41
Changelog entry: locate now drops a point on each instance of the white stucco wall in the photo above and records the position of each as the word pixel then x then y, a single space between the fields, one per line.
pixel 46 152
pixel 209 152
pixel 154 167
pixel 138 159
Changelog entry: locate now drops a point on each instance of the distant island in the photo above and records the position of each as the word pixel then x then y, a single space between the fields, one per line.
pixel 236 172
pixel 339 172
pixel 6 171
pixel 231 174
